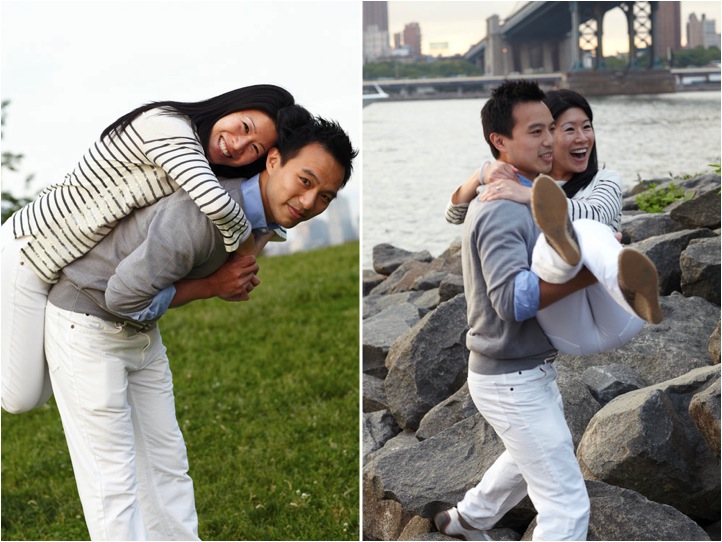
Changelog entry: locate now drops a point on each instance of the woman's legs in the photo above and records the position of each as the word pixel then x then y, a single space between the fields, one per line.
pixel 25 380
pixel 128 455
pixel 597 318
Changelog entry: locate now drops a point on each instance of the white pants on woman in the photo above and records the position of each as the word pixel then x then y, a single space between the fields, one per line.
pixel 597 318
pixel 25 380
pixel 525 409
pixel 114 391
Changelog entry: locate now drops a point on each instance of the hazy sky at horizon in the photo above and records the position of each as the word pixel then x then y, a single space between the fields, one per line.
pixel 71 67
pixel 462 23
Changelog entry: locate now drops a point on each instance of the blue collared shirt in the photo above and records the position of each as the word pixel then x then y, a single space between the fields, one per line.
pixel 253 207
pixel 526 286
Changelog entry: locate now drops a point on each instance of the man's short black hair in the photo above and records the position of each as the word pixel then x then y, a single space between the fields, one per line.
pixel 298 128
pixel 497 113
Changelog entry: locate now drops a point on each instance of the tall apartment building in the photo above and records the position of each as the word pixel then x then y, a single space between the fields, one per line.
pixel 701 32
pixel 668 28
pixel 412 38
pixel 375 30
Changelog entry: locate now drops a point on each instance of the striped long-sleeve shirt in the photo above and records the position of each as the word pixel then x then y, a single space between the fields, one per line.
pixel 600 200
pixel 157 154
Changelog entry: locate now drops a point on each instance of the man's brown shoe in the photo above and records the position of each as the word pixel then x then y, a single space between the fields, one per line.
pixel 639 283
pixel 549 207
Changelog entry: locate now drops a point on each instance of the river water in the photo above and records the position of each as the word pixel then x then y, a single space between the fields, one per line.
pixel 415 153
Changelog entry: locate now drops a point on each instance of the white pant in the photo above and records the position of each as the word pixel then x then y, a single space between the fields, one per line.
pixel 525 409
pixel 114 391
pixel 24 377
pixel 597 318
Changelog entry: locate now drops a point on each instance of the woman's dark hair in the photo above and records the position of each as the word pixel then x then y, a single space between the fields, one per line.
pixel 559 101
pixel 269 99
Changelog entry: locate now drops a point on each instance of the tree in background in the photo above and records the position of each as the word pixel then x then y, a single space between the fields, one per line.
pixel 11 162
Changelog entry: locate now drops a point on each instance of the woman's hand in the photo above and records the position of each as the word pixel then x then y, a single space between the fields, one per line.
pixel 506 189
pixel 499 171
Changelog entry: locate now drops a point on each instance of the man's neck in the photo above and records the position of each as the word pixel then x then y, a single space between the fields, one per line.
pixel 524 174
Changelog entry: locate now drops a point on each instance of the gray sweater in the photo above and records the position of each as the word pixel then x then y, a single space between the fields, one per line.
pixel 497 244
pixel 146 252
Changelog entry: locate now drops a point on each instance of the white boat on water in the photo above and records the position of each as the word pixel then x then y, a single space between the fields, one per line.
pixel 374 96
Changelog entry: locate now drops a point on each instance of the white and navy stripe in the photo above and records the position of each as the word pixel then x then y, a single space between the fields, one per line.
pixel 157 154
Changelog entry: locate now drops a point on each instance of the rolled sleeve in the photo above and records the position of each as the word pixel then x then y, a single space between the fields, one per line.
pixel 526 295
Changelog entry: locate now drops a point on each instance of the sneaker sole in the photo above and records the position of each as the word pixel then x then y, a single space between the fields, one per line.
pixel 549 208
pixel 639 282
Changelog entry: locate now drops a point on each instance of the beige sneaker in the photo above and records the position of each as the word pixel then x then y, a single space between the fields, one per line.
pixel 549 207
pixel 450 523
pixel 639 283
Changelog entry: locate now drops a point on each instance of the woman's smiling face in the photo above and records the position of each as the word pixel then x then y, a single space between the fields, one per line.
pixel 241 138
pixel 573 142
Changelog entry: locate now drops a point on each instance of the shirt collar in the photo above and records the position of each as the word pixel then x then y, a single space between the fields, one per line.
pixel 524 180
pixel 253 207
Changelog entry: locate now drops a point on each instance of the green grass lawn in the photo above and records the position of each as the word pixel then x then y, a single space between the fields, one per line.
pixel 267 395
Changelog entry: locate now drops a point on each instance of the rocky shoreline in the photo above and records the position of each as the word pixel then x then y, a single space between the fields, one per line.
pixel 645 418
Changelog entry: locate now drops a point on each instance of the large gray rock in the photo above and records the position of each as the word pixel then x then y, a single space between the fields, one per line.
pixel 428 363
pixel 451 286
pixel 645 440
pixel 378 428
pixel 380 332
pixel 370 280
pixel 702 211
pixel 641 226
pixel 700 266
pixel 579 404
pixel 704 408
pixel 622 514
pixel 387 258
pixel 664 351
pixel 447 413
pixel 410 276
pixel 610 381
pixel 665 251
pixel 374 394
pixel 714 345
pixel 434 474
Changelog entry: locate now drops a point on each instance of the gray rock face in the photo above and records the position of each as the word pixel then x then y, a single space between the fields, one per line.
pixel 665 251
pixel 622 514
pixel 645 441
pixel 644 225
pixel 382 330
pixel 610 381
pixel 700 212
pixel 378 428
pixel 704 408
pixel 700 267
pixel 387 258
pixel 374 395
pixel 447 413
pixel 428 363
pixel 434 474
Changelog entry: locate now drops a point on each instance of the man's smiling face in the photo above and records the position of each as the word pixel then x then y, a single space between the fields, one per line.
pixel 301 188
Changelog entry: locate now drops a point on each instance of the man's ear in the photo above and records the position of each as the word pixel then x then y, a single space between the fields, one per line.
pixel 498 140
pixel 273 160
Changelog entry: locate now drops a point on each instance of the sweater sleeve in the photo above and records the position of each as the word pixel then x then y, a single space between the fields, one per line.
pixel 603 202
pixel 170 142
pixel 456 212
pixel 167 254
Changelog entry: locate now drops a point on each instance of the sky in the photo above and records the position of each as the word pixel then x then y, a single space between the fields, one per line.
pixel 70 68
pixel 462 24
